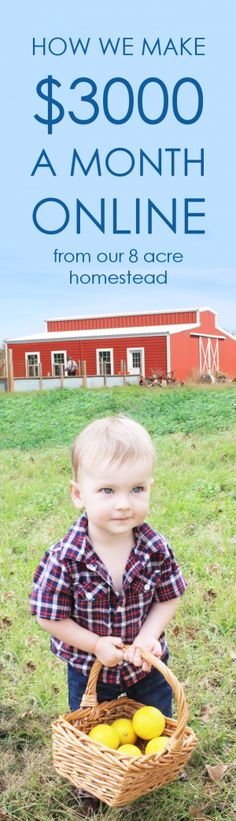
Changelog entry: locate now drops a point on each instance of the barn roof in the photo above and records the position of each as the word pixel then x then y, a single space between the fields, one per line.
pixel 141 330
pixel 123 330
pixel 150 312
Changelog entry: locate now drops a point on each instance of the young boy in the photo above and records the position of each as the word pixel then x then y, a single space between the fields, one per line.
pixel 112 580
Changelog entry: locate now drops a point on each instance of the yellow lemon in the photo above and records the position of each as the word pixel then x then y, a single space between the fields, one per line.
pixel 129 749
pixel 125 730
pixel 156 745
pixel 148 722
pixel 105 734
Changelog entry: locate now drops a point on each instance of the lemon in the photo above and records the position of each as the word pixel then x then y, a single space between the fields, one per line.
pixel 105 734
pixel 156 745
pixel 125 730
pixel 129 749
pixel 148 722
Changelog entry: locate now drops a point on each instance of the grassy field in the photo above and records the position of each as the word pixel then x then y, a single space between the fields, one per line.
pixel 193 503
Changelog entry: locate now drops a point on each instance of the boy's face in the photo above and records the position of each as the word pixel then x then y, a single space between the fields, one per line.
pixel 115 497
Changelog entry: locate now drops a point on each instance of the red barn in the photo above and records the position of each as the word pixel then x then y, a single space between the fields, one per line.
pixel 182 341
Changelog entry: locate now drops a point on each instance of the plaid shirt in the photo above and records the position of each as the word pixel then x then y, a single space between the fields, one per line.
pixel 71 581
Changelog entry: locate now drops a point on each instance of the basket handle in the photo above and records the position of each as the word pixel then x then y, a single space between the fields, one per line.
pixel 89 698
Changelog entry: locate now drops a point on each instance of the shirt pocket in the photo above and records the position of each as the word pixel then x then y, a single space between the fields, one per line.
pixel 89 598
pixel 143 587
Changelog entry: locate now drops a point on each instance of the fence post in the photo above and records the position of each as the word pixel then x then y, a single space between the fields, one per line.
pixel 61 375
pixel 124 371
pixel 84 373
pixel 104 368
pixel 10 372
pixel 3 366
pixel 79 367
pixel 40 377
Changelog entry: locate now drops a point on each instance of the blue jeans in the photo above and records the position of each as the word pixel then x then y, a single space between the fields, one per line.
pixel 152 689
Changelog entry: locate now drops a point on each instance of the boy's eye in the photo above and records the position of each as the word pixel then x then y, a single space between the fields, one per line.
pixel 106 490
pixel 137 489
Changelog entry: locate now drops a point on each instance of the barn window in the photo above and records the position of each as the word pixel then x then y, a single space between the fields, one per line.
pixel 32 361
pixel 136 356
pixel 104 359
pixel 58 359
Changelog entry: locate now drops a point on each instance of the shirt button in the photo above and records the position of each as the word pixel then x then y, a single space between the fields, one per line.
pixel 146 586
pixel 89 595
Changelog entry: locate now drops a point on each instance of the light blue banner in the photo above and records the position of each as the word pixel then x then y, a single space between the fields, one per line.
pixel 118 160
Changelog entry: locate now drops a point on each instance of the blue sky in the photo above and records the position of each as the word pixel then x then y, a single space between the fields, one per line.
pixel 33 286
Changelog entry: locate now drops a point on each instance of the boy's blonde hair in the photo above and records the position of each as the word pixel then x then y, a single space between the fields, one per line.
pixel 118 438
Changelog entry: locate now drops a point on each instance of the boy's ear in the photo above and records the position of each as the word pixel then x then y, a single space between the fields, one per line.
pixel 75 494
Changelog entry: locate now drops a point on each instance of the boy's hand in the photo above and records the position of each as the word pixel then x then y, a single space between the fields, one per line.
pixel 107 650
pixel 133 655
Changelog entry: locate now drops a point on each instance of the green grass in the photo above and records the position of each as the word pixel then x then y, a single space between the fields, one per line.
pixel 49 418
pixel 193 503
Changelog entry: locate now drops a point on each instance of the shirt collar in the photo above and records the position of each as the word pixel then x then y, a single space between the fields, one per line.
pixel 85 551
pixel 145 545
pixel 82 541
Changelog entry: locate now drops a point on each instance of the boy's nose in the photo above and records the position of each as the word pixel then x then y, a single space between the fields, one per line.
pixel 122 502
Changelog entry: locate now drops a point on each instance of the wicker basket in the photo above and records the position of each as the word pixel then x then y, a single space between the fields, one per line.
pixel 108 774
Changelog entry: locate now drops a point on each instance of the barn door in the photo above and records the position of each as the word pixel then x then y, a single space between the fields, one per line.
pixel 209 354
pixel 135 360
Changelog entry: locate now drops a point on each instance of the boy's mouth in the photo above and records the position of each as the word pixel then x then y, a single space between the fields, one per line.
pixel 121 518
